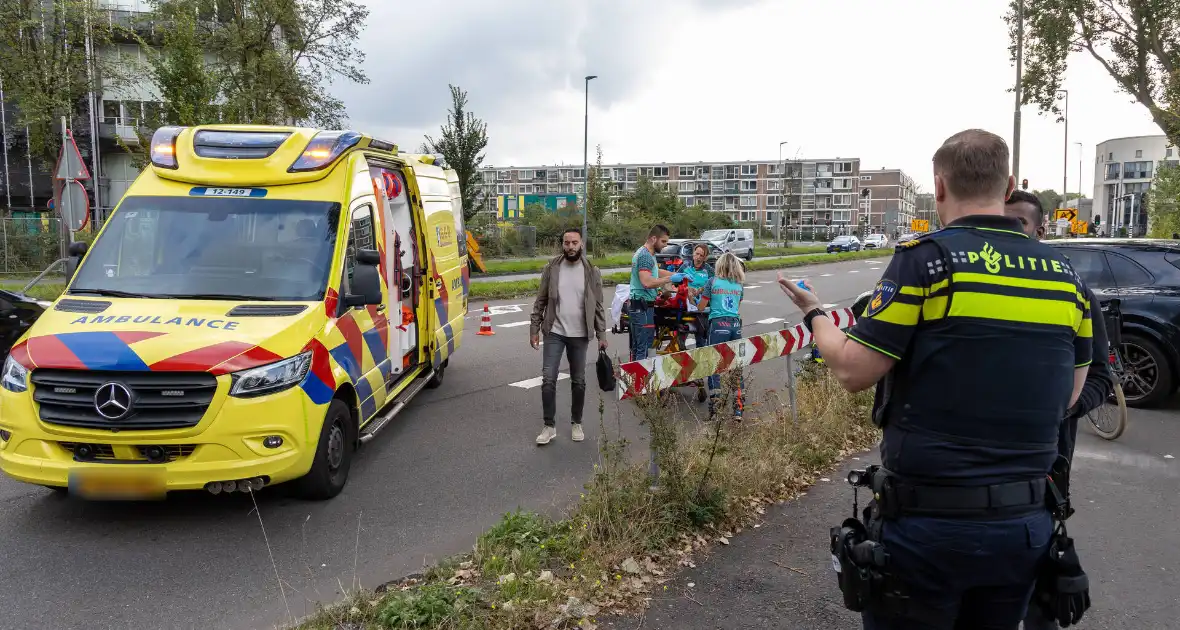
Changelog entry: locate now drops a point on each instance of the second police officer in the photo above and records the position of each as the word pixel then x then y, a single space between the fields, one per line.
pixel 961 322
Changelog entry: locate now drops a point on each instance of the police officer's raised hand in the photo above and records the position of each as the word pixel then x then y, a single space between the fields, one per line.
pixel 805 299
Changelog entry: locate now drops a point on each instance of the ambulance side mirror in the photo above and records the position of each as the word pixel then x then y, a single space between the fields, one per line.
pixel 366 281
pixel 77 252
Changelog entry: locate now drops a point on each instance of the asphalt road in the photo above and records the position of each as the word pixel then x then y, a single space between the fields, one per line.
pixel 447 468
pixel 534 276
pixel 779 575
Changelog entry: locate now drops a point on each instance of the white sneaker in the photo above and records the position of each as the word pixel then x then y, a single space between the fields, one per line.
pixel 547 435
pixel 578 434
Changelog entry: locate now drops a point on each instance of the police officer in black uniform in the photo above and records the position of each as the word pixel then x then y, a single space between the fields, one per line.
pixel 960 323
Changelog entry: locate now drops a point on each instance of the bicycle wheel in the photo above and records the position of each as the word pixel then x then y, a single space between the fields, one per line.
pixel 1110 420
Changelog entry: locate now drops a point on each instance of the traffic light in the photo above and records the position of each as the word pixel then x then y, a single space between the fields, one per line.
pixel 1024 184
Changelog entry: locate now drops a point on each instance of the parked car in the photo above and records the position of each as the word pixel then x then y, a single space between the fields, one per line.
pixel 845 243
pixel 876 241
pixel 907 237
pixel 740 242
pixel 679 251
pixel 1144 275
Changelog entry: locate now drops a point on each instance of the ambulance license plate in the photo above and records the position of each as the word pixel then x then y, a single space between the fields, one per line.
pixel 118 484
pixel 201 191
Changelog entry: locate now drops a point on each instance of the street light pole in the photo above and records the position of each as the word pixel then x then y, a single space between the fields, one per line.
pixel 1080 167
pixel 1016 112
pixel 586 163
pixel 782 191
pixel 1065 151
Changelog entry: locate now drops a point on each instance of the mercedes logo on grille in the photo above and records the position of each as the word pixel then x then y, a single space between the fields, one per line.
pixel 112 401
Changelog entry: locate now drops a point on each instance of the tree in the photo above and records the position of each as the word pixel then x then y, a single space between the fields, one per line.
pixel 272 62
pixel 1163 202
pixel 650 201
pixel 47 65
pixel 600 198
pixel 1050 200
pixel 1137 42
pixel 464 137
pixel 189 86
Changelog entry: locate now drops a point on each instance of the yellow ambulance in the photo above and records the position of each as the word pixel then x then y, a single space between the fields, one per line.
pixel 260 303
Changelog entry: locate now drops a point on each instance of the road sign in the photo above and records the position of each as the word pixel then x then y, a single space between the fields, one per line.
pixel 920 225
pixel 1079 227
pixel 75 206
pixel 70 164
pixel 1069 214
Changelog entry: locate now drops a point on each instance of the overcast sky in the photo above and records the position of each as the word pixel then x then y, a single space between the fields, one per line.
pixel 716 80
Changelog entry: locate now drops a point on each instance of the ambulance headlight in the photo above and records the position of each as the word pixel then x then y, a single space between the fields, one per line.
pixel 16 377
pixel 164 147
pixel 270 378
pixel 323 149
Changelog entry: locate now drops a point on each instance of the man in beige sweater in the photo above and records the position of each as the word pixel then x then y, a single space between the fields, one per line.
pixel 567 311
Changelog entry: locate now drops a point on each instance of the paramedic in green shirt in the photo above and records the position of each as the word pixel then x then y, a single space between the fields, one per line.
pixel 699 272
pixel 722 295
pixel 646 280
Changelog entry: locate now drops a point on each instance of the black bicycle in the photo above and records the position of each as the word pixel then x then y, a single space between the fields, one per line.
pixel 1110 420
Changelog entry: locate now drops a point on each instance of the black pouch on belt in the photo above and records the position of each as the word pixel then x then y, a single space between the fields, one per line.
pixel 1062 588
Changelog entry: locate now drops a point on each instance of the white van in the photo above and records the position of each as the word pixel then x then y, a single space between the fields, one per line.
pixel 740 242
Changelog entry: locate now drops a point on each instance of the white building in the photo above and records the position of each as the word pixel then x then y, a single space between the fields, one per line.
pixel 1123 169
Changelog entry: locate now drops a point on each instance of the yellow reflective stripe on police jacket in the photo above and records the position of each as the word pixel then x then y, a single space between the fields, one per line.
pixel 992 296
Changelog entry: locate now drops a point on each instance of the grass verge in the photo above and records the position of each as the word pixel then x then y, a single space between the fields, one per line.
pixel 508 289
pixel 623 540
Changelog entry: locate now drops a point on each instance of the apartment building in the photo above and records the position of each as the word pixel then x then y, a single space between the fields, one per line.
pixel 813 191
pixel 889 201
pixel 1123 170
pixel 924 209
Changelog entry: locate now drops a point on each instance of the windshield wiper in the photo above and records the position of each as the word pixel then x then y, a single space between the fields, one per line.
pixel 111 293
pixel 220 296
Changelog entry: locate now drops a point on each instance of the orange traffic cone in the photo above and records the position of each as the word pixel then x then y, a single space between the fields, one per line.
pixel 485 322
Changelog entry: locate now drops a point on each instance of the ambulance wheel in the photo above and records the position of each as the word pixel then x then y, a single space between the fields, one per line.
pixel 437 380
pixel 333 455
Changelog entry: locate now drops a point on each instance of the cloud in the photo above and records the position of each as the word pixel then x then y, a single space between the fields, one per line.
pixel 515 58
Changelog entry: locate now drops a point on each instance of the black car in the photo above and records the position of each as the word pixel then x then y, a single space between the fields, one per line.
pixel 1144 275
pixel 679 251
pixel 845 243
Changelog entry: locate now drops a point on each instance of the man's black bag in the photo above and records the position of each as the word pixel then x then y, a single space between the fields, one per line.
pixel 606 372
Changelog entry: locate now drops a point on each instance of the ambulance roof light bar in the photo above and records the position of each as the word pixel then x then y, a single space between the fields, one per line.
pixel 323 149
pixel 163 151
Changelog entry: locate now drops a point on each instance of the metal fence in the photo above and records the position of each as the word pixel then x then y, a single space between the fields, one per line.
pixel 30 244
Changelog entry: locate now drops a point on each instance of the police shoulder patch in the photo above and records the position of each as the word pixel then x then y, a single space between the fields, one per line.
pixel 883 294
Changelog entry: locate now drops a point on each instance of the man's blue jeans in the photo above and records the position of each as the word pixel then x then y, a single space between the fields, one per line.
pixel 643 328
pixel 976 575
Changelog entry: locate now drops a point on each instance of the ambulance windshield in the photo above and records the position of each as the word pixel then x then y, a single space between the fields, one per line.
pixel 213 248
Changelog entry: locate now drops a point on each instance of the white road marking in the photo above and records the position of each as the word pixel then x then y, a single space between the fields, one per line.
pixel 770 320
pixel 874 262
pixel 824 275
pixel 751 302
pixel 1128 459
pixel 514 324
pixel 766 282
pixel 754 286
pixel 504 309
pixel 829 306
pixel 854 271
pixel 536 382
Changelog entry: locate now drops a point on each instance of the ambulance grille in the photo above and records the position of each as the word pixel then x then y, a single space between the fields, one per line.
pixel 266 310
pixel 82 306
pixel 159 400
